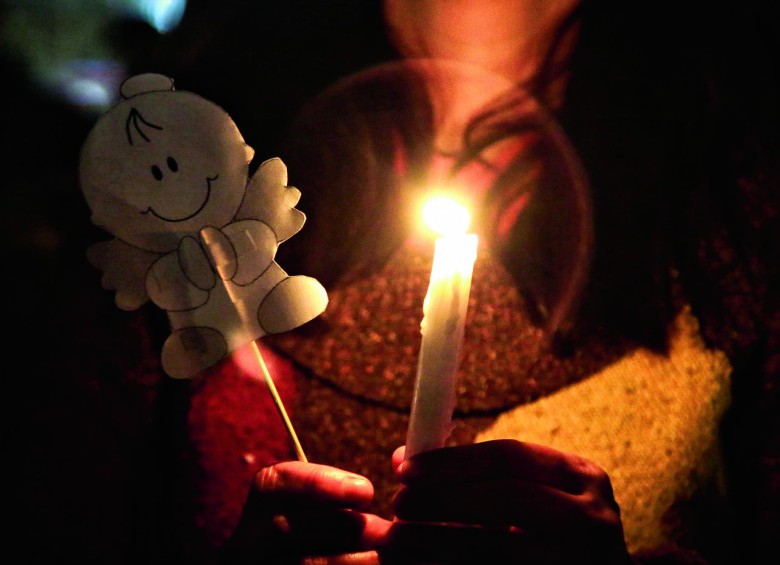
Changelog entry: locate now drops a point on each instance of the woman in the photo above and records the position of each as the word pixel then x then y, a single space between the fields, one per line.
pixel 641 115
pixel 679 234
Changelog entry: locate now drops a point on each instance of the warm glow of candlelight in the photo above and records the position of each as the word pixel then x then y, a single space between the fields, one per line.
pixel 446 216
pixel 442 326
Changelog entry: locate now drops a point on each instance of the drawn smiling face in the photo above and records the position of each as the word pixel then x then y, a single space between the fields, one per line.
pixel 158 208
pixel 162 165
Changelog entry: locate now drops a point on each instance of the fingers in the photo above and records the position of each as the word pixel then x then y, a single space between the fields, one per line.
pixel 398 456
pixel 452 544
pixel 500 459
pixel 506 483
pixel 294 535
pixel 331 532
pixel 507 503
pixel 294 483
pixel 361 558
pixel 494 503
pixel 522 496
pixel 297 509
pixel 336 531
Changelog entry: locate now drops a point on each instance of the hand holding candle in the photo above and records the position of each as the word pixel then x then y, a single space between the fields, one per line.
pixel 442 327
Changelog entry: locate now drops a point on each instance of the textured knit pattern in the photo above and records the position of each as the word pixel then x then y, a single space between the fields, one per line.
pixel 649 420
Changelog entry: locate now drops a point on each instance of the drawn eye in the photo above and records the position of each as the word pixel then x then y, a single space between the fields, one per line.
pixel 156 172
pixel 172 164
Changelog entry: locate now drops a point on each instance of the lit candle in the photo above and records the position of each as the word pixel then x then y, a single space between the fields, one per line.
pixel 443 323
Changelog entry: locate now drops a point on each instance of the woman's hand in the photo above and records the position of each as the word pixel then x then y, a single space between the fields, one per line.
pixel 299 510
pixel 502 499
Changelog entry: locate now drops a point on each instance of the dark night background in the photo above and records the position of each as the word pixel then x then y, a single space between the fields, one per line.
pixel 61 64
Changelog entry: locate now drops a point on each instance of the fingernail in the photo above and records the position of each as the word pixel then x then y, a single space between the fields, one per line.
pixel 355 481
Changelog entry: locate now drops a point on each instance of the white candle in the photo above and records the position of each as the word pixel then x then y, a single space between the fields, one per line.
pixel 443 323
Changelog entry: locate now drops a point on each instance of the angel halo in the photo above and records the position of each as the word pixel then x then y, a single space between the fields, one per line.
pixel 166 172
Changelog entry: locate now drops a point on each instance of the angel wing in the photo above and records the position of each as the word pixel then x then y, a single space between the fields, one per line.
pixel 270 200
pixel 124 270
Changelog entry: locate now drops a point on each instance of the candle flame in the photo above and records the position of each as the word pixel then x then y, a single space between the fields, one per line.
pixel 445 216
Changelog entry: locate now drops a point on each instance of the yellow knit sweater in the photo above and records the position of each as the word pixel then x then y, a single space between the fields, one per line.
pixel 649 420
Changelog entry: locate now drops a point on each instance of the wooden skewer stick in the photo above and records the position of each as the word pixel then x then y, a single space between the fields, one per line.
pixel 212 239
pixel 278 403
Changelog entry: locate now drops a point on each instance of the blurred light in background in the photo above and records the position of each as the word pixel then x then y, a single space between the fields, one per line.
pixel 92 84
pixel 65 43
pixel 162 15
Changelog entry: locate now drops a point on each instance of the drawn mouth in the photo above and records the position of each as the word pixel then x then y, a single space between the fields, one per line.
pixel 151 210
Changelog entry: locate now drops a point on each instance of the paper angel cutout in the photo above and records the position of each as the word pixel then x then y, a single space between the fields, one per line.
pixel 166 173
